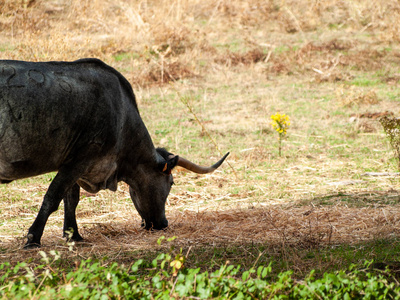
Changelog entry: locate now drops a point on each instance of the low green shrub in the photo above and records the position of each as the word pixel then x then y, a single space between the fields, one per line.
pixel 164 278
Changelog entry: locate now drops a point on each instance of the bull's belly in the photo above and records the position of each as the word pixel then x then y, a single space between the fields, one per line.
pixel 29 152
pixel 101 176
pixel 10 171
pixel 24 156
pixel 98 176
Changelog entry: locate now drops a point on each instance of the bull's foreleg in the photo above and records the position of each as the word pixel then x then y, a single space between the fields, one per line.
pixel 49 205
pixel 55 193
pixel 71 201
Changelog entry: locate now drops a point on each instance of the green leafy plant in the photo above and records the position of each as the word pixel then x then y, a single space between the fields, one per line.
pixel 142 280
pixel 280 123
pixel 392 130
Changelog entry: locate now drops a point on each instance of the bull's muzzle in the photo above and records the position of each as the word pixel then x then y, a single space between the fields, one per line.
pixel 158 225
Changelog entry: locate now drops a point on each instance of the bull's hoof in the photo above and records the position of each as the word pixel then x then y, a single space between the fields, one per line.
pixel 72 236
pixel 30 244
pixel 75 238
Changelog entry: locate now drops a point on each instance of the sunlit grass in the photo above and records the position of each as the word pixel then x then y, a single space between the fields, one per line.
pixel 238 63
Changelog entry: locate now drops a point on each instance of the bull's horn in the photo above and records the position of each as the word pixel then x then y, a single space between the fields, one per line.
pixel 184 163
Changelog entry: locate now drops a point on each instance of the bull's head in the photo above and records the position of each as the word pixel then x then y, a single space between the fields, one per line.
pixel 149 196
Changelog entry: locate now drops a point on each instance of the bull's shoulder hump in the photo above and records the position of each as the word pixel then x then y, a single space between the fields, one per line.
pixel 102 65
pixel 94 63
pixel 97 63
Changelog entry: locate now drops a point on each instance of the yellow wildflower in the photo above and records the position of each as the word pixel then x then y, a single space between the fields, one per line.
pixel 280 122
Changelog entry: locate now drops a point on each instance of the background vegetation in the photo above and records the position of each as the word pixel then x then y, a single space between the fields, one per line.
pixel 332 66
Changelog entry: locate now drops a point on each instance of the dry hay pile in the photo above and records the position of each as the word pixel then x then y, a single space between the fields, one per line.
pixel 292 226
pixel 295 227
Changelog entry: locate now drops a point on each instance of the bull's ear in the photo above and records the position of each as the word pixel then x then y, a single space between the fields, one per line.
pixel 167 166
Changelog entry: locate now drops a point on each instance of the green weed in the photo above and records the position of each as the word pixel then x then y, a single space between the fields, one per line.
pixel 161 279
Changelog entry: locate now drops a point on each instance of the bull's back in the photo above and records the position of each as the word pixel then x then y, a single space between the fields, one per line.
pixel 48 111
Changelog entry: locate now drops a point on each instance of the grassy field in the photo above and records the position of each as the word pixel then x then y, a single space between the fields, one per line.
pixel 208 75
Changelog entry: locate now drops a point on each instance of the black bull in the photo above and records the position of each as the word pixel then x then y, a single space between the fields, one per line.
pixel 81 119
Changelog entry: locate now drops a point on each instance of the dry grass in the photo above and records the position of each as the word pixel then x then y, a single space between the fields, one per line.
pixel 320 62
pixel 115 234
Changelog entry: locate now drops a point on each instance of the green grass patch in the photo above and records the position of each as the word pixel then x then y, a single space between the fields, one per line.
pixel 126 56
pixel 365 82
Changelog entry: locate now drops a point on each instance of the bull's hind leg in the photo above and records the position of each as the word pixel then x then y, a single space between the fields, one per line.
pixel 63 181
pixel 71 201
